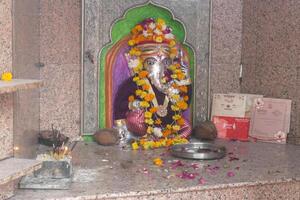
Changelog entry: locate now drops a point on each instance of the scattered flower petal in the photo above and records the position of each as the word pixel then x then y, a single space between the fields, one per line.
pixel 187 175
pixel 232 158
pixel 230 174
pixel 176 164
pixel 212 170
pixel 158 162
pixel 202 181
pixel 194 166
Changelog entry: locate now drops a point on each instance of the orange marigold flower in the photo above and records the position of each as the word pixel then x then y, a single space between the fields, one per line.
pixel 166 132
pixel 174 85
pixel 158 161
pixel 142 141
pixel 182 105
pixel 169 143
pixel 186 98
pixel 138 28
pixel 146 87
pixel 143 74
pixel 149 97
pixel 183 89
pixel 153 109
pixel 180 76
pixel 180 122
pixel 158 122
pixel 131 98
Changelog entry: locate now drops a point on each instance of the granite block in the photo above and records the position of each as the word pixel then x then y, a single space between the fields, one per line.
pixel 60 47
pixel 225 78
pixel 18 84
pixel 26 65
pixel 276 80
pixel 226 32
pixel 60 98
pixel 6 123
pixel 26 123
pixel 249 36
pixel 22 7
pixel 6 190
pixel 6 109
pixel 110 173
pixel 91 63
pixel 277 191
pixel 13 168
pixel 60 36
pixel 5 35
pixel 271 51
pixel 26 37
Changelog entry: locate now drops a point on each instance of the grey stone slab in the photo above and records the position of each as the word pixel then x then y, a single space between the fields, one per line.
pixel 31 182
pixel 110 173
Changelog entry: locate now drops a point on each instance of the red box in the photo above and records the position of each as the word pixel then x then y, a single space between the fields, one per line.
pixel 232 127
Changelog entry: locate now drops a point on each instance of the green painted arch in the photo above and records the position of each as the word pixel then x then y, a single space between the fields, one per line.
pixel 122 27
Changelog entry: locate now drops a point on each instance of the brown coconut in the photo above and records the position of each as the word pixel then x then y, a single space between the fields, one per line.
pixel 205 131
pixel 107 136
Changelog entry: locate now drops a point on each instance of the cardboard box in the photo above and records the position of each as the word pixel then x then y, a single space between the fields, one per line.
pixel 233 105
pixel 270 120
pixel 232 127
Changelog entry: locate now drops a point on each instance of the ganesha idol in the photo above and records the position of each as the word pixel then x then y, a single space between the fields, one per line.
pixel 154 99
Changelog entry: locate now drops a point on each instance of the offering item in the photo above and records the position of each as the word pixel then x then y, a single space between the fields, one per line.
pixel 152 101
pixel 270 121
pixel 200 150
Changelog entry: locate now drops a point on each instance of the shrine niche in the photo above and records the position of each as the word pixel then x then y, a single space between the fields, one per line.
pixel 146 75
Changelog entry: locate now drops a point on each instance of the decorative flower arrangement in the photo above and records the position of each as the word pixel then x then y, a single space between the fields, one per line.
pixel 158 135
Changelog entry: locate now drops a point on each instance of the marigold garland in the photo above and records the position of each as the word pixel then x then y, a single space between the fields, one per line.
pixel 157 31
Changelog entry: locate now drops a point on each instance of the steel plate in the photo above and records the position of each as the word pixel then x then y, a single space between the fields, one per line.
pixel 199 150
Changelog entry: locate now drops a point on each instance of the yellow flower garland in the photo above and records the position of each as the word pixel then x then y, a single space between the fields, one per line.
pixel 178 102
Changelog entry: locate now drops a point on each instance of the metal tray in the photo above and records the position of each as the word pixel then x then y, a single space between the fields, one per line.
pixel 199 150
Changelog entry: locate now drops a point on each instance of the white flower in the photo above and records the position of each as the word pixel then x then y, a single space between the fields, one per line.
pixel 163 27
pixel 157 32
pixel 169 36
pixel 132 63
pixel 280 136
pixel 259 103
pixel 145 33
pixel 157 132
pixel 152 25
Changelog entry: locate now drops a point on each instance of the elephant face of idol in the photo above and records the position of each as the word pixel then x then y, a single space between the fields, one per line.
pixel 156 60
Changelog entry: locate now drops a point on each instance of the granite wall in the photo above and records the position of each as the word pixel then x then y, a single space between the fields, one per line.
pixel 26 16
pixel 226 45
pixel 271 53
pixel 60 44
pixel 6 100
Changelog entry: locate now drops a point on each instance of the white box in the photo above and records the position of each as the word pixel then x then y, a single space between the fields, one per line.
pixel 233 104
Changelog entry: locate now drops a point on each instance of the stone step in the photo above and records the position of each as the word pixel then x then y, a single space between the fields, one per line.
pixel 14 168
pixel 19 84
